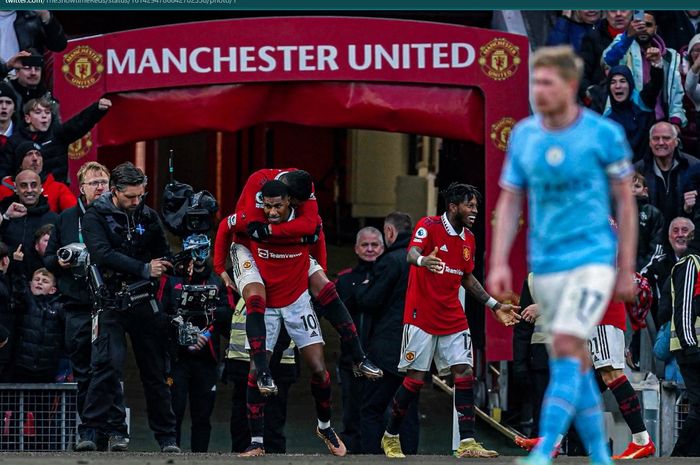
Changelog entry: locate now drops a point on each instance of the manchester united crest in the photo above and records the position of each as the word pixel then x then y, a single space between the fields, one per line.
pixel 83 66
pixel 80 147
pixel 410 356
pixel 500 132
pixel 466 253
pixel 499 59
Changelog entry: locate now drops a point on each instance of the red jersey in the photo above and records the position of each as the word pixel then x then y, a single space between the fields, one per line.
pixel 285 270
pixel 432 299
pixel 249 208
pixel 615 315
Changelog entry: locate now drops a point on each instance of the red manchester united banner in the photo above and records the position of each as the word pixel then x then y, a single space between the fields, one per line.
pixel 395 75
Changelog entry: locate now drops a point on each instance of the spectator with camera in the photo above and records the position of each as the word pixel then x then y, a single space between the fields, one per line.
pixel 64 260
pixel 127 243
pixel 198 323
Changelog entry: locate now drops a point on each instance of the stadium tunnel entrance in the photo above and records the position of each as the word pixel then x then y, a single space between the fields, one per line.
pixel 233 96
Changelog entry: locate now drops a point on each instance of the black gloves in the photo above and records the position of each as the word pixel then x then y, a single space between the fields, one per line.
pixel 258 231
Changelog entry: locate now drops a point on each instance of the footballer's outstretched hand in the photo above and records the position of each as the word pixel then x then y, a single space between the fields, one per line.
pixel 507 314
pixel 432 262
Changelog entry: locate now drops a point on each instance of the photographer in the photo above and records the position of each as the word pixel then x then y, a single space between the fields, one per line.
pixel 93 179
pixel 125 239
pixel 194 371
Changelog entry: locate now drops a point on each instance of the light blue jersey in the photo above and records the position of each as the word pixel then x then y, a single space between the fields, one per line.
pixel 565 173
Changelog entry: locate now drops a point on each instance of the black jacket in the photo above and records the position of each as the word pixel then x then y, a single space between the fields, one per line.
pixel 593 45
pixel 685 304
pixel 666 196
pixel 527 356
pixel 7 320
pixel 651 232
pixel 169 294
pixel 675 28
pixel 40 330
pixel 346 284
pixel 31 32
pixel 54 142
pixel 16 231
pixel 383 299
pixel 121 244
pixel 74 290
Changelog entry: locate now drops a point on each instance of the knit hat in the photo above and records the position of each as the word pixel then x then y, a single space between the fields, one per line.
pixel 7 91
pixel 22 150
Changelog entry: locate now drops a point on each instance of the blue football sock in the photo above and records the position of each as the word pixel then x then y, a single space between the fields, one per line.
pixel 589 421
pixel 559 404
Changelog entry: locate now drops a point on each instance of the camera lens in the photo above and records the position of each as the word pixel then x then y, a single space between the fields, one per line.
pixel 64 254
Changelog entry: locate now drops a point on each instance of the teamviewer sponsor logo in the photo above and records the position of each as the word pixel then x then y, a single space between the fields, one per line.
pixel 264 253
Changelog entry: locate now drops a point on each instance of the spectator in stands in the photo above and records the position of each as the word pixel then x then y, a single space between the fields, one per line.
pixel 28 156
pixel 678 27
pixel 12 64
pixel 651 224
pixel 664 168
pixel 24 212
pixel 7 316
pixel 382 298
pixel 40 329
pixel 28 83
pixel 632 108
pixel 53 137
pixel 34 256
pixel 22 30
pixel 692 91
pixel 571 26
pixel 368 247
pixel 595 42
pixel 631 47
pixel 658 271
pixel 685 345
pixel 8 100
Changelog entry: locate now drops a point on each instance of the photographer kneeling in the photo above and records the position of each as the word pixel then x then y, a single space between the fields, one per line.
pixel 125 239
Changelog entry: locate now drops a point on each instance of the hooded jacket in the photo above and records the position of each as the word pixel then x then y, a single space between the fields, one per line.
pixel 635 114
pixel 122 244
pixel 16 231
pixel 592 46
pixel 624 50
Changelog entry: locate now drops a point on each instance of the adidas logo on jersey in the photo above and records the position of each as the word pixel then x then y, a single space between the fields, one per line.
pixel 443 248
pixel 314 334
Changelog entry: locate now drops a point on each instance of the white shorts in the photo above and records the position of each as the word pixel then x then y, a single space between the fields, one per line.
pixel 298 318
pixel 607 347
pixel 245 270
pixel 573 302
pixel 418 349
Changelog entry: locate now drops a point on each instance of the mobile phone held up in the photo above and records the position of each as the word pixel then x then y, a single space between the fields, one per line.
pixel 638 15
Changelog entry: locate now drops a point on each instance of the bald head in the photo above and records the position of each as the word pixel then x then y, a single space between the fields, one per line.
pixel 28 185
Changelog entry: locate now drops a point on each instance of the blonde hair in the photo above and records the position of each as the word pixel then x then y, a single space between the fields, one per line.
pixel 563 58
pixel 45 272
pixel 90 166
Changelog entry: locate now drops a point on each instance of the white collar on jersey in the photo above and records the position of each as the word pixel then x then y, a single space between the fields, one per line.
pixel 448 227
